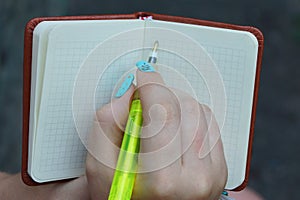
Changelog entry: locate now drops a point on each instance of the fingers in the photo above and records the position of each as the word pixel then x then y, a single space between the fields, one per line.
pixel 193 129
pixel 151 86
pixel 116 112
pixel 212 143
pixel 205 148
pixel 160 104
pixel 103 144
pixel 213 146
pixel 152 92
pixel 160 139
pixel 106 136
pixel 202 134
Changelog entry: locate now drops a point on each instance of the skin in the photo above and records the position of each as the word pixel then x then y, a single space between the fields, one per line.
pixel 13 188
pixel 199 172
pixel 188 177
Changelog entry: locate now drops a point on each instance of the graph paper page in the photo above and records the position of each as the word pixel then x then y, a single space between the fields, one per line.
pixel 233 53
pixel 59 153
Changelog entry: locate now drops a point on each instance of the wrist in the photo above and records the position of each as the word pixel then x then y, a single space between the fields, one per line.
pixel 74 189
pixel 12 187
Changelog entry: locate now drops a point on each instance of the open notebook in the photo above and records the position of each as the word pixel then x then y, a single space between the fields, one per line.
pixel 90 57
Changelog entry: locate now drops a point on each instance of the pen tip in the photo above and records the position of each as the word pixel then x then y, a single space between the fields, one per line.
pixel 155 45
pixel 153 55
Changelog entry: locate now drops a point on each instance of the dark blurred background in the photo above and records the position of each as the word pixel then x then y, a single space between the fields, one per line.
pixel 275 162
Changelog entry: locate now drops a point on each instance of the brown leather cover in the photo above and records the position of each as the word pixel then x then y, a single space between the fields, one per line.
pixel 27 71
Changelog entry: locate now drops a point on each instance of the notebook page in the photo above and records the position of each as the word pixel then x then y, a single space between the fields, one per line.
pixel 106 79
pixel 234 53
pixel 175 69
pixel 59 153
pixel 39 49
pixel 73 49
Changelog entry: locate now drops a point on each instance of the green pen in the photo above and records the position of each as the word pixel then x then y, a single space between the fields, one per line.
pixel 125 173
pixel 124 177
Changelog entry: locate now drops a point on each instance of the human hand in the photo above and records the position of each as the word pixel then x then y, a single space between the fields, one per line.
pixel 181 153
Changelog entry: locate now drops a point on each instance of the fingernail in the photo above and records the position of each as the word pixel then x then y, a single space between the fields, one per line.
pixel 125 85
pixel 145 66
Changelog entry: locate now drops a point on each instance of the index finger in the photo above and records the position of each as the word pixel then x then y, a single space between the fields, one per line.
pixel 160 139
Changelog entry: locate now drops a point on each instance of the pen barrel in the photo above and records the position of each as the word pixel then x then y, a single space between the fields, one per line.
pixel 124 177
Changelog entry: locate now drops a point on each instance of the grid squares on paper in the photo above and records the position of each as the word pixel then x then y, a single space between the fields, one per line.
pixel 176 70
pixel 97 81
pixel 62 148
pixel 231 63
pixel 113 76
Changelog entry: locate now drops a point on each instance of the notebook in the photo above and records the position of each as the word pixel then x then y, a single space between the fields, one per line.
pixel 72 66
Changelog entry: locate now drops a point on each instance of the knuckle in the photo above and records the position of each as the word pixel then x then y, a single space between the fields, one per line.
pixel 192 112
pixel 206 109
pixel 164 187
pixel 104 114
pixel 190 105
pixel 224 177
pixel 192 109
pixel 209 115
pixel 204 188
pixel 162 112
pixel 171 111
